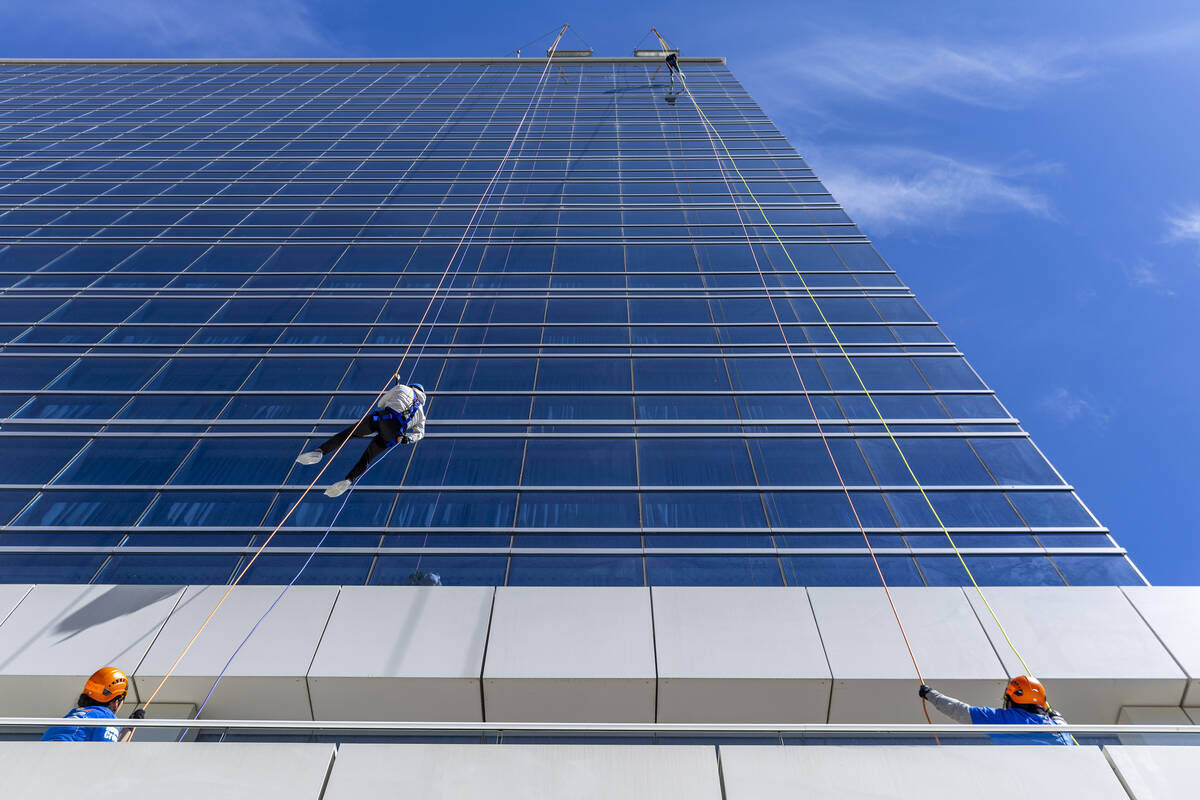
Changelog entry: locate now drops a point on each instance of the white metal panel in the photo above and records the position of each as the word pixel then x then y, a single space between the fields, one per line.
pixel 520 772
pixel 10 595
pixel 918 773
pixel 403 653
pixel 1173 613
pixel 874 679
pixel 738 654
pixel 1157 773
pixel 60 634
pixel 266 679
pixel 1154 715
pixel 1087 644
pixel 166 771
pixel 570 654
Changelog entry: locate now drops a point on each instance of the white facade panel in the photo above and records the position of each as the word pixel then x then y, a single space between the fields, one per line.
pixel 1173 612
pixel 1157 773
pixel 266 680
pixel 1154 715
pixel 916 773
pixel 1087 644
pixel 570 654
pixel 403 653
pixel 874 679
pixel 520 772
pixel 738 654
pixel 58 635
pixel 10 595
pixel 197 771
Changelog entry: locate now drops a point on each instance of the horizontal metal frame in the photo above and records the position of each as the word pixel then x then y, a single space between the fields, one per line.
pixel 514 487
pixel 951 730
pixel 184 62
pixel 186 530
pixel 730 552
pixel 531 422
pixel 493 393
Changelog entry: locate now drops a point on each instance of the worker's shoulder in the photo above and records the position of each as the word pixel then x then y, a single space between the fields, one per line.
pixel 92 712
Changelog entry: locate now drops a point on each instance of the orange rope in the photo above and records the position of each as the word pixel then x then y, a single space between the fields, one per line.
pixel 808 397
pixel 407 349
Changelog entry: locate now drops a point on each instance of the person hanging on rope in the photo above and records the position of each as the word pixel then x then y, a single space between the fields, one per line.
pixel 1024 704
pixel 103 695
pixel 673 67
pixel 399 418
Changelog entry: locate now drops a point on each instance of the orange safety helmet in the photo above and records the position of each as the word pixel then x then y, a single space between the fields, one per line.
pixel 106 685
pixel 1026 691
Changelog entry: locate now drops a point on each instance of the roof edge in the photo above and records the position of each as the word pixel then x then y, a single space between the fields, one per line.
pixel 463 60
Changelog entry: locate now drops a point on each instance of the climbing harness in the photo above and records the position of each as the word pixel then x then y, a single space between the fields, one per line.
pixel 467 232
pixel 400 417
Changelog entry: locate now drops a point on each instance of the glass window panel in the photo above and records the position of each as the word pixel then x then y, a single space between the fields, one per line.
pixel 991 570
pixel 948 373
pixel 973 406
pixel 1051 509
pixel 30 373
pixel 393 570
pixel 169 568
pixel 675 374
pixel 580 462
pixel 86 508
pixel 466 462
pixel 109 373
pixel 203 374
pixel 583 374
pixel 454 509
pixel 325 569
pixel 850 571
pixel 11 502
pixel 806 462
pixel 28 459
pixel 702 407
pixel 121 461
pixel 728 570
pixel 366 509
pixel 209 508
pixel 48 568
pixel 703 510
pixel 229 462
pixel 578 510
pixel 694 462
pixel 974 509
pixel 1015 461
pixel 769 374
pixel 485 375
pixel 828 510
pixel 947 461
pixel 1098 571
pixel 591 570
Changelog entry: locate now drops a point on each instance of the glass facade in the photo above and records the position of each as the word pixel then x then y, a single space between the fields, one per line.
pixel 206 268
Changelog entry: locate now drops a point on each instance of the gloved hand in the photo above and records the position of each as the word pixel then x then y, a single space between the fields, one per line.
pixel 404 440
pixel 139 714
pixel 924 690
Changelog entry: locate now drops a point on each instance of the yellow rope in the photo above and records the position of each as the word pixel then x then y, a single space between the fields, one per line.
pixel 846 355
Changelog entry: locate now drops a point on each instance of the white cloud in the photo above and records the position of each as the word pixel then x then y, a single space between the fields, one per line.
pixel 1184 226
pixel 1067 406
pixel 887 187
pixel 1144 274
pixel 888 67
pixel 179 28
pixel 892 68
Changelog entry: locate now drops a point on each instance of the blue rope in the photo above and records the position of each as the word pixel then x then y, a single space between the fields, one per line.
pixel 282 592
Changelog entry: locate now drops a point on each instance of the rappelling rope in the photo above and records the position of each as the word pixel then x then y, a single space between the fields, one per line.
pixel 378 396
pixel 850 362
pixel 816 420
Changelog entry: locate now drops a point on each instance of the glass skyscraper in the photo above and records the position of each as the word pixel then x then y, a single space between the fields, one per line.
pixel 208 267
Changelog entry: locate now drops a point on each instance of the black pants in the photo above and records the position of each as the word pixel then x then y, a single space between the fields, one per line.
pixel 385 431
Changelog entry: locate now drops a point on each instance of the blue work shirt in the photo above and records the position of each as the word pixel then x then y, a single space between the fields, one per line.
pixel 1017 716
pixel 79 733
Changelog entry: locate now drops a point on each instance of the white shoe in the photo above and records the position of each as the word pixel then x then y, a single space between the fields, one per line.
pixel 311 457
pixel 338 489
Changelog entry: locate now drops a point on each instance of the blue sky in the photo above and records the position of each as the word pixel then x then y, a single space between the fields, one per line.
pixel 1029 168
